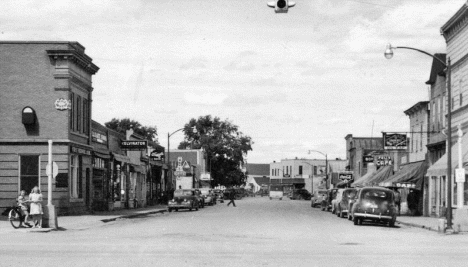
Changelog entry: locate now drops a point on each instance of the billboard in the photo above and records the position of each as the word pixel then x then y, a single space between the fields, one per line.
pixel 395 141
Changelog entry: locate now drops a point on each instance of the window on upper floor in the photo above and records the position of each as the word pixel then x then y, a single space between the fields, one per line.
pixel 300 170
pixel 85 117
pixel 72 111
pixel 78 113
pixel 461 99
pixel 442 112
pixel 421 138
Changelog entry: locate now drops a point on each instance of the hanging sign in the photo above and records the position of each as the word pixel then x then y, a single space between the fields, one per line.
pixel 134 144
pixel 395 141
pixel 368 159
pixel 345 177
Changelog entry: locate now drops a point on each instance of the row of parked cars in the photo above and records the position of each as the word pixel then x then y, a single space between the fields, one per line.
pixel 372 204
pixel 194 199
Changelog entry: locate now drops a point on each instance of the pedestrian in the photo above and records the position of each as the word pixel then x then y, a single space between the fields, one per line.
pixel 397 199
pixel 232 196
pixel 35 199
pixel 413 202
pixel 23 204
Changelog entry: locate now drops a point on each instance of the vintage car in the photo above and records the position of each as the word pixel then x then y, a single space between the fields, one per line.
pixel 209 197
pixel 376 204
pixel 327 200
pixel 342 202
pixel 201 199
pixel 276 191
pixel 300 194
pixel 317 197
pixel 184 199
pixel 239 194
pixel 219 195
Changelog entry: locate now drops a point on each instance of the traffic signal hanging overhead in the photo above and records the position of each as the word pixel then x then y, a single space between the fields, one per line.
pixel 281 6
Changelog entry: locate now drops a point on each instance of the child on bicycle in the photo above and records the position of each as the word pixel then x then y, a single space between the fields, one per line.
pixel 23 204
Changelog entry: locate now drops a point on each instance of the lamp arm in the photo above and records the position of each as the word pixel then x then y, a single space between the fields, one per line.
pixel 421 51
pixel 176 131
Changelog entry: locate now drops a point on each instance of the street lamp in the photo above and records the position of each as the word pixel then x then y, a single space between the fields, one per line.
pixel 194 129
pixel 389 54
pixel 326 165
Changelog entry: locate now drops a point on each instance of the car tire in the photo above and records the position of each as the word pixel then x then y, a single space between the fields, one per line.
pixel 341 214
pixel 355 221
pixel 176 210
pixel 360 221
pixel 169 209
pixel 349 217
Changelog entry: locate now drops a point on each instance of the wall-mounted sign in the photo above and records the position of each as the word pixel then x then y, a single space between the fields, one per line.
pixel 405 185
pixel 79 150
pixel 395 141
pixel 384 161
pixel 368 159
pixel 205 176
pixel 99 137
pixel 62 104
pixel 156 155
pixel 346 177
pixel 134 145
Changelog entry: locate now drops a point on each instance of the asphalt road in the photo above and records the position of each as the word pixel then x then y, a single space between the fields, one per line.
pixel 258 232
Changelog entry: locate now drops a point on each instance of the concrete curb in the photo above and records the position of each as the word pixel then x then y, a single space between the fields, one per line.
pixel 418 226
pixel 141 214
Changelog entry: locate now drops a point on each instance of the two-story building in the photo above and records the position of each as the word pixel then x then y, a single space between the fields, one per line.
pixel 46 94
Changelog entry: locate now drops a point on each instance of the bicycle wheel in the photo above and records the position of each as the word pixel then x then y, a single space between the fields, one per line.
pixel 15 219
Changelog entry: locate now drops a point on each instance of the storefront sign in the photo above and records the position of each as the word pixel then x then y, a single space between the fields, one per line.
pixel 205 177
pixel 79 150
pixel 395 141
pixel 134 145
pixel 368 159
pixel 384 161
pixel 62 104
pixel 405 185
pixel 345 177
pixel 99 137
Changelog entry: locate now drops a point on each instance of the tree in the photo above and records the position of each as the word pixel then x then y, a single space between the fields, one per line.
pixel 122 125
pixel 225 147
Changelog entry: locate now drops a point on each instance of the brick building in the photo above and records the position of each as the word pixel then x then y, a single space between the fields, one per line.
pixel 46 94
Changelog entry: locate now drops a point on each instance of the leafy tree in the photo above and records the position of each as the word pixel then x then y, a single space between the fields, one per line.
pixel 224 145
pixel 121 125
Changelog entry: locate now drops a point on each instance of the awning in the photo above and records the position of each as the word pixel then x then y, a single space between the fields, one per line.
pixel 361 181
pixel 101 155
pixel 410 175
pixel 121 158
pixel 381 175
pixel 440 167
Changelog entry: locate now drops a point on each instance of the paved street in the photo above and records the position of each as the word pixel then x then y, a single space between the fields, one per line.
pixel 258 232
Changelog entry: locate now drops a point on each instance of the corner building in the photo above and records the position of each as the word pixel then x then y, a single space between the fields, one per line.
pixel 46 94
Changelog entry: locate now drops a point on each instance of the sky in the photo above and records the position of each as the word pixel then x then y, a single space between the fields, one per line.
pixel 293 82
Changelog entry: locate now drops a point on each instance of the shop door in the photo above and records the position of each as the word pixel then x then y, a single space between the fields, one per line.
pixel 88 187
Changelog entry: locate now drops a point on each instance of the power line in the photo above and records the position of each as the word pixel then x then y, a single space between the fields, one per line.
pixel 368 3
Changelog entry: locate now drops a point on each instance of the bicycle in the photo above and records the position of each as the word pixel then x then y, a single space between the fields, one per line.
pixel 16 217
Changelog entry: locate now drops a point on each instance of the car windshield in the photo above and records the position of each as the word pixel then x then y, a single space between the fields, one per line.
pixel 179 193
pixel 377 195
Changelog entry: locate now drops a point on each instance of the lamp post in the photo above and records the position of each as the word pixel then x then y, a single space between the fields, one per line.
pixel 389 54
pixel 326 165
pixel 168 147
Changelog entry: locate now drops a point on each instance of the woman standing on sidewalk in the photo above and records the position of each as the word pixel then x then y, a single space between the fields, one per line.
pixel 35 200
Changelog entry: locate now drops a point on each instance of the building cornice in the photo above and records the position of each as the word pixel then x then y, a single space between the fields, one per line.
pixel 456 23
pixel 80 59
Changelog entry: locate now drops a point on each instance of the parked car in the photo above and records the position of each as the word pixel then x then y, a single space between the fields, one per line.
pixel 300 194
pixel 327 200
pixel 219 195
pixel 317 197
pixel 201 199
pixel 342 204
pixel 184 199
pixel 263 192
pixel 208 196
pixel 376 204
pixel 334 203
pixel 249 193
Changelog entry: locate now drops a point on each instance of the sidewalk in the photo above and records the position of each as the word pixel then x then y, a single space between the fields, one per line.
pixel 428 223
pixel 80 222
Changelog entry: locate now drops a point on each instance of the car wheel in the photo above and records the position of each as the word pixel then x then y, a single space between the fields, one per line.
pixel 169 209
pixel 360 221
pixel 176 210
pixel 341 214
pixel 349 217
pixel 355 221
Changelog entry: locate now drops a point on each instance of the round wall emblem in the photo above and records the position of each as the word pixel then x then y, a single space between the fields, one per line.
pixel 62 104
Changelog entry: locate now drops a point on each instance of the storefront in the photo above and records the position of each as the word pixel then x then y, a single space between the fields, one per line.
pixel 409 181
pixel 118 184
pixel 437 181
pixel 100 196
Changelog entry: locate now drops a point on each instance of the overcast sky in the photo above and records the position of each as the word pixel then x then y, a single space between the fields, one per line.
pixel 293 82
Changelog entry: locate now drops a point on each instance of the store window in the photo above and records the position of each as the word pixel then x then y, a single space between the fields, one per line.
pixel 29 172
pixel 76 164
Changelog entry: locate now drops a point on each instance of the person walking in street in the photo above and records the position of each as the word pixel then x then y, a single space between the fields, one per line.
pixel 35 199
pixel 232 196
pixel 23 204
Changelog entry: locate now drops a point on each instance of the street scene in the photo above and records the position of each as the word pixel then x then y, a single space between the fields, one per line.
pixel 236 133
